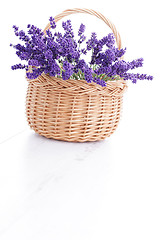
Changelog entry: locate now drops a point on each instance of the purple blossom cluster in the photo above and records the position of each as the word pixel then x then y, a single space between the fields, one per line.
pixel 60 54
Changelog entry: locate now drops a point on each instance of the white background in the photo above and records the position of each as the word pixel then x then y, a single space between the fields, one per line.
pixel 104 190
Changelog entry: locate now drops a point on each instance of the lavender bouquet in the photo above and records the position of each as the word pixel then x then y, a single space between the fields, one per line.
pixel 61 55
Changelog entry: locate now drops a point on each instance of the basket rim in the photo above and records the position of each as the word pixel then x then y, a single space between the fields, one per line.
pixel 73 86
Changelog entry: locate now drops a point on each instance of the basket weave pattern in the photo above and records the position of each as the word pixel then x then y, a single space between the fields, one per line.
pixel 74 110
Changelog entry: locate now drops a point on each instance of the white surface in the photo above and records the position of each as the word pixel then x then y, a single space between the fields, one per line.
pixel 103 190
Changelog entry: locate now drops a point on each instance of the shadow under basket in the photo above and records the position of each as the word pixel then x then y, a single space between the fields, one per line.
pixel 73 110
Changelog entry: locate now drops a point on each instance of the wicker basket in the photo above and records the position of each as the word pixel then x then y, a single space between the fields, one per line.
pixel 74 110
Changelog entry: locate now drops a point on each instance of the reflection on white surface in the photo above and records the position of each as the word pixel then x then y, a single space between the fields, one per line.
pixel 60 190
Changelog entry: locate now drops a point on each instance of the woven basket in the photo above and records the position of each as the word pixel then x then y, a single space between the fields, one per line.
pixel 74 110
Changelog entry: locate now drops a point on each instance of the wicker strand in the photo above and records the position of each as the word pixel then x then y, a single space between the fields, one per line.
pixel 81 87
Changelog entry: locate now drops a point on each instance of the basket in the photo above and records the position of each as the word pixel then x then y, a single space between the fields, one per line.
pixel 74 110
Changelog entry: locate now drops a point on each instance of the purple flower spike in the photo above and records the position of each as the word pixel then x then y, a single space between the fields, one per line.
pixel 67 26
pixel 60 55
pixel 92 41
pixel 15 28
pixel 18 66
pixel 68 70
pixel 52 22
pixel 33 62
pixel 99 81
pixel 81 29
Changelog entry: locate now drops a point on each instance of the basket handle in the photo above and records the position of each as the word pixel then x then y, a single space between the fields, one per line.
pixel 91 12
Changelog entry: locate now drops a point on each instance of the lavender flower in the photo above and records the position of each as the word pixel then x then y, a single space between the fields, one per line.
pixel 48 55
pixel 21 34
pixel 110 41
pixel 18 66
pixel 33 62
pixel 67 26
pixel 81 39
pixel 49 34
pixel 118 52
pixel 15 28
pixel 60 55
pixel 88 74
pixel 92 41
pixel 107 40
pixel 52 22
pixel 81 65
pixel 100 81
pixel 54 69
pixel 68 70
pixel 33 30
pixel 84 51
pixel 81 29
pixel 136 76
pixel 136 63
pixel 35 73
